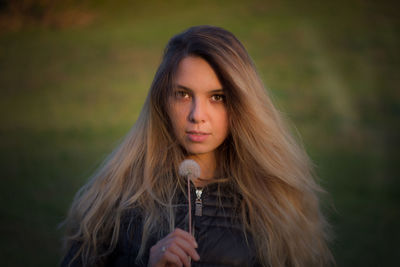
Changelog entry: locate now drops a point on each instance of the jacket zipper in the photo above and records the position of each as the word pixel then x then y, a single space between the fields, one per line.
pixel 199 203
pixel 197 212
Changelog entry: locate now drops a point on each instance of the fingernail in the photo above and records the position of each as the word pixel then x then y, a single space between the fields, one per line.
pixel 195 244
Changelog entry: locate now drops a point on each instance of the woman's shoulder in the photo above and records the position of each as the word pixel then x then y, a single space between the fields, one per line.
pixel 129 240
pixel 131 216
pixel 225 191
pixel 126 250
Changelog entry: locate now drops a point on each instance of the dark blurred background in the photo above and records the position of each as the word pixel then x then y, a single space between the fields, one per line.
pixel 74 75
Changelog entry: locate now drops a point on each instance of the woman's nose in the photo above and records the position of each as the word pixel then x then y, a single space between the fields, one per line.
pixel 197 111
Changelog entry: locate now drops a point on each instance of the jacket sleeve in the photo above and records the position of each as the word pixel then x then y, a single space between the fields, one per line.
pixel 129 244
pixel 126 251
pixel 67 260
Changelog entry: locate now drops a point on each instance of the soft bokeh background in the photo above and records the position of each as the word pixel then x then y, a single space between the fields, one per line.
pixel 74 75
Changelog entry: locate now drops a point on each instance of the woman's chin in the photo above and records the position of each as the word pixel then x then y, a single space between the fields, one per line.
pixel 198 150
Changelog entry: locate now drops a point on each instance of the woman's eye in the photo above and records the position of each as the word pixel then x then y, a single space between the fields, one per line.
pixel 218 98
pixel 182 94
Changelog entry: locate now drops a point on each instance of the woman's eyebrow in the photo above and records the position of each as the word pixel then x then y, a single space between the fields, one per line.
pixel 184 88
pixel 217 91
pixel 221 90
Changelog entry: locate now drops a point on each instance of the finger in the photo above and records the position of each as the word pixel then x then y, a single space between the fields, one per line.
pixel 171 258
pixel 183 256
pixel 179 243
pixel 185 235
pixel 160 256
pixel 186 241
pixel 187 248
pixel 171 245
pixel 180 247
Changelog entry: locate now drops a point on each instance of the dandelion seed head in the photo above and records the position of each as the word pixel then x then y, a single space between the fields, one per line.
pixel 189 168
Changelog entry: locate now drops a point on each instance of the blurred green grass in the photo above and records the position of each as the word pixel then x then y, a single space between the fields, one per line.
pixel 70 93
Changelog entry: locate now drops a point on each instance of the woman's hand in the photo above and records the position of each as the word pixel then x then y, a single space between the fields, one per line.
pixel 174 250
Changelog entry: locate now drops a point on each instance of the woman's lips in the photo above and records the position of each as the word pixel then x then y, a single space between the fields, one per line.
pixel 195 136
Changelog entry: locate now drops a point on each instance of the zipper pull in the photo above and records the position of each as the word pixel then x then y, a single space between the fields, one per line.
pixel 198 204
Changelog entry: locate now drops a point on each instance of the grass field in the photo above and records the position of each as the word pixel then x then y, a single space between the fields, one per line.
pixel 72 86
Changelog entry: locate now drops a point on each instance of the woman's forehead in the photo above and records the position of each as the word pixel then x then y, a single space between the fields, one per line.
pixel 196 73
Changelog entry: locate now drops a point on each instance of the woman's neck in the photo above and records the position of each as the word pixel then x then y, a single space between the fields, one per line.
pixel 207 164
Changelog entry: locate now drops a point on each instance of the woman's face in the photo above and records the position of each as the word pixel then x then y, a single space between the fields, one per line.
pixel 197 107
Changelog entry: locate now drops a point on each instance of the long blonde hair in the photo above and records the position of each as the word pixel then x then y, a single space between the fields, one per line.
pixel 260 158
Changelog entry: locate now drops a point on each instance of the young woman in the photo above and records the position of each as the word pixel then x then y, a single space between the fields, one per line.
pixel 255 202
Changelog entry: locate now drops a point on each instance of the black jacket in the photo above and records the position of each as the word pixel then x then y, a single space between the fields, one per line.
pixel 217 229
